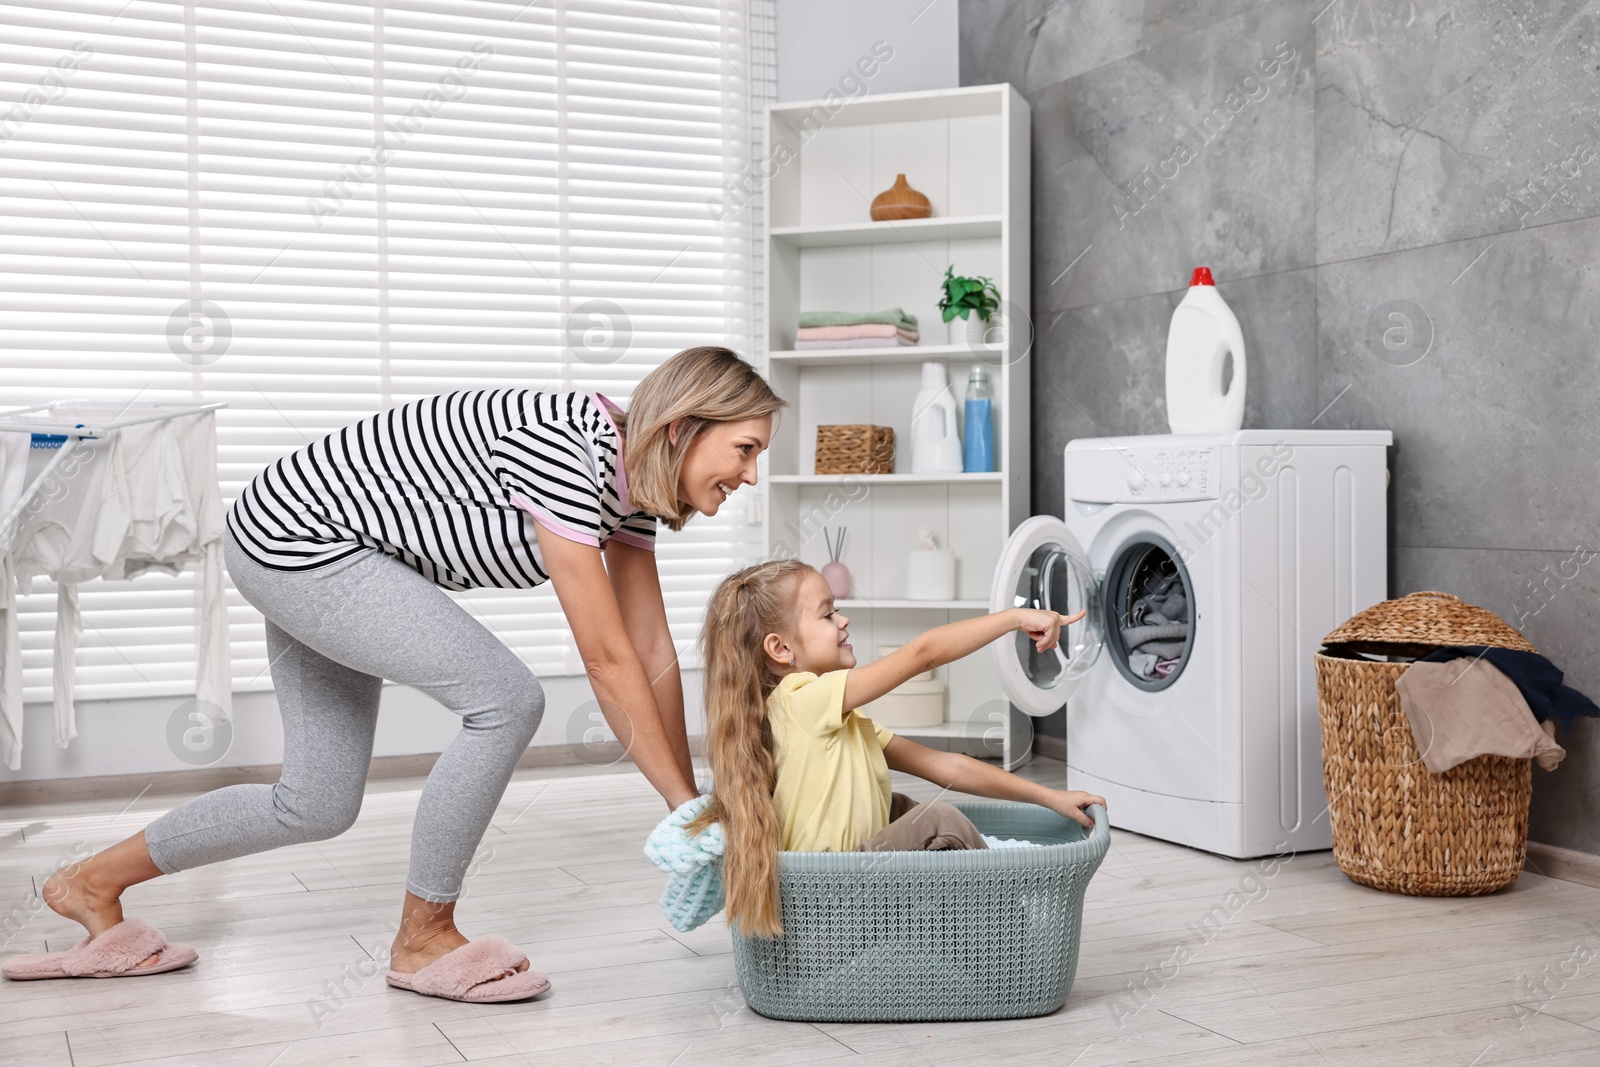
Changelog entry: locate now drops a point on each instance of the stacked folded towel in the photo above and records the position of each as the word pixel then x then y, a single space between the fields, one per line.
pixel 892 316
pixel 856 329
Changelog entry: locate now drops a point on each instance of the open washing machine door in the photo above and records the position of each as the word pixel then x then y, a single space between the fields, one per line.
pixel 1043 566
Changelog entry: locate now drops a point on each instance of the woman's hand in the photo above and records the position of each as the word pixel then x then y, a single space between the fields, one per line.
pixel 1044 626
pixel 1071 802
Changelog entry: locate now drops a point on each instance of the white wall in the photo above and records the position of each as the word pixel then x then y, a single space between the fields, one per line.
pixel 819 42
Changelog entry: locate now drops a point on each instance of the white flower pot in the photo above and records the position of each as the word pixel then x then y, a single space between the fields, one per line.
pixel 970 332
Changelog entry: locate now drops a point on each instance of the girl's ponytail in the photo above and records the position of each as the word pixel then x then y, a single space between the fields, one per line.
pixel 746 607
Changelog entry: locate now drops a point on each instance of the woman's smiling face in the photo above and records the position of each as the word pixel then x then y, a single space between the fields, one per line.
pixel 721 458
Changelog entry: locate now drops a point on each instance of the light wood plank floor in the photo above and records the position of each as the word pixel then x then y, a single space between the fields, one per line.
pixel 1187 959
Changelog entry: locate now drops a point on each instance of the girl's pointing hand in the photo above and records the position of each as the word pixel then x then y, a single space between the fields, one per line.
pixel 1045 626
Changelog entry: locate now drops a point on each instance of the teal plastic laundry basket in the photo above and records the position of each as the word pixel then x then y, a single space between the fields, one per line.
pixel 899 936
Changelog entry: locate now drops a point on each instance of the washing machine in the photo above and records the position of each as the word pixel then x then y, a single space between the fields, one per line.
pixel 1210 567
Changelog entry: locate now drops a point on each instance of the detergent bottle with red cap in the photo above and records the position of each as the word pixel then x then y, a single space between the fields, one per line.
pixel 1205 362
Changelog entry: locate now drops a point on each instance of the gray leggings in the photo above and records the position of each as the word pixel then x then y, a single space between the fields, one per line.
pixel 333 635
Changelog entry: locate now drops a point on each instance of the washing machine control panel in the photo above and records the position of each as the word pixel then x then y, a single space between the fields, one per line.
pixel 1178 474
pixel 1114 475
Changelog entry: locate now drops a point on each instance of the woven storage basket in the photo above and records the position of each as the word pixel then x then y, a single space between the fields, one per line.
pixel 879 936
pixel 859 449
pixel 1396 825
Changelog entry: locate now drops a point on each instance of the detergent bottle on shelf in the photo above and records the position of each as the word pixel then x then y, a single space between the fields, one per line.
pixel 935 444
pixel 978 434
pixel 1204 335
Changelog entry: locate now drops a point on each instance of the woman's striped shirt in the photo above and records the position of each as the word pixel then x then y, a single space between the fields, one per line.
pixel 452 485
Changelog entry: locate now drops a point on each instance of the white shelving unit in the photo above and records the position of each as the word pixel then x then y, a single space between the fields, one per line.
pixel 887 479
pixel 967 151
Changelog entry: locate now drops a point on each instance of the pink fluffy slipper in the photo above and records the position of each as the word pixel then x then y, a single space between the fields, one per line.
pixel 116 953
pixel 479 972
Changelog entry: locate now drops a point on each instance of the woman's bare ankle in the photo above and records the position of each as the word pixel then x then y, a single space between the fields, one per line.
pixel 427 932
pixel 74 893
pixel 90 891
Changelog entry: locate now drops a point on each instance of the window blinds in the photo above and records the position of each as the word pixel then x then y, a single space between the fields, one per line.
pixel 315 210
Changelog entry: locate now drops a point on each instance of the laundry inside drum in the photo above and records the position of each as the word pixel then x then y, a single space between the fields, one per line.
pixel 1150 612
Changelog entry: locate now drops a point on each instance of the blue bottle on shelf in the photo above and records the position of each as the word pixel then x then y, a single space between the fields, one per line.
pixel 978 442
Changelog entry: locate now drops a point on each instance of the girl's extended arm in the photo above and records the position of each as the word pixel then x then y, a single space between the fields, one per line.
pixel 963 774
pixel 945 644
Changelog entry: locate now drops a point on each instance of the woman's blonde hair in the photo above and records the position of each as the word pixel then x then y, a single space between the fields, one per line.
pixel 739 677
pixel 701 386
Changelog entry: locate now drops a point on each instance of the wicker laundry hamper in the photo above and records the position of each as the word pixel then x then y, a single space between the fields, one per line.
pixel 1396 825
pixel 880 936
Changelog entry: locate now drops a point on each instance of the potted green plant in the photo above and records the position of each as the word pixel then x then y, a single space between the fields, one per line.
pixel 967 305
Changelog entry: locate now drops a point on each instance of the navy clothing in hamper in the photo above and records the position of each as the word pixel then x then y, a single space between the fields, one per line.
pixel 1536 678
pixel 451 485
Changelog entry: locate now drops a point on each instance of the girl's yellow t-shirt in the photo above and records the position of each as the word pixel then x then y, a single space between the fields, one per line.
pixel 832 782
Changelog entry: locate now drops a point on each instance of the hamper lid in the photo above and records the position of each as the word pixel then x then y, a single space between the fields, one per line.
pixel 1420 622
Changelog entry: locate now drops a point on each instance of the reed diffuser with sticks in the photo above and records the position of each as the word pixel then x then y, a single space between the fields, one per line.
pixel 836 574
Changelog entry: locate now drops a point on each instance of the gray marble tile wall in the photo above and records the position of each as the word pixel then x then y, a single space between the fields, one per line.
pixel 1333 163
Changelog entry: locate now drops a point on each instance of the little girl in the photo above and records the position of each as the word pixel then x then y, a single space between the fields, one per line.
pixel 794 767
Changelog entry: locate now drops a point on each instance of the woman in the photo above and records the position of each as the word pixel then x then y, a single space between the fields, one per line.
pixel 346 547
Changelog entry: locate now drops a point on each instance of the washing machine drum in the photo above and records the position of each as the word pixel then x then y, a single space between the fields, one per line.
pixel 1142 614
pixel 1149 613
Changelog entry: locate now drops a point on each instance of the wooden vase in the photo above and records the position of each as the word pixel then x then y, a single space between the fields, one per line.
pixel 900 201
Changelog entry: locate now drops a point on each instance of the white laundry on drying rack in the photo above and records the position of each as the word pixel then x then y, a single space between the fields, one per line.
pixel 14 449
pixel 143 496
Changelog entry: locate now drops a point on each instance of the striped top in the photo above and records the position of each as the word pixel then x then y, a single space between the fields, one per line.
pixel 452 485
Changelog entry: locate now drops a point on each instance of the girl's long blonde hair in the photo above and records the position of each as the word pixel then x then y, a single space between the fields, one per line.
pixel 700 386
pixel 747 606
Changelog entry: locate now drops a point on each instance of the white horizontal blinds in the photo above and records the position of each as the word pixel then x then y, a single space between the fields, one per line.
pixel 94 252
pixel 284 95
pixel 375 203
pixel 547 225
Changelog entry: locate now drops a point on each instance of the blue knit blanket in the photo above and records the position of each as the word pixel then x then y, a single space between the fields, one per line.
pixel 694 891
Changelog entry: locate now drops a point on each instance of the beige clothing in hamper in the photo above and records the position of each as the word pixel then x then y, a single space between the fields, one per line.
pixel 1464 708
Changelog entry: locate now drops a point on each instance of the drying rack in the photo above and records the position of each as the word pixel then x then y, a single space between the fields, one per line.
pixel 42 421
